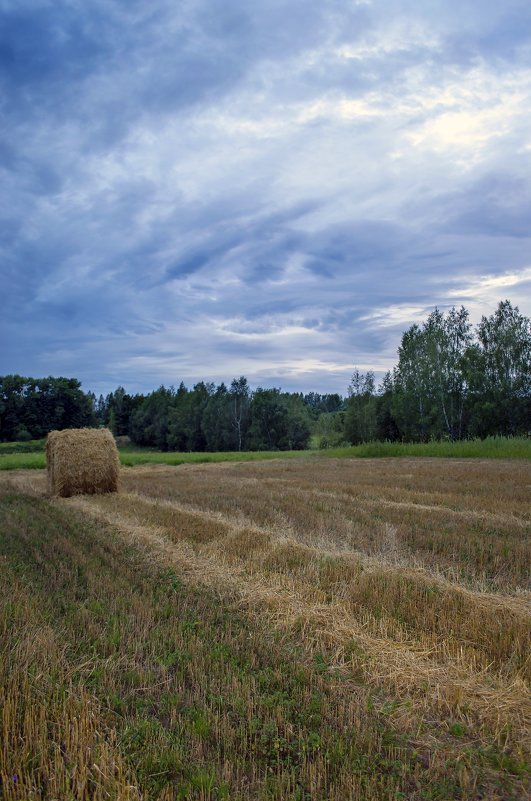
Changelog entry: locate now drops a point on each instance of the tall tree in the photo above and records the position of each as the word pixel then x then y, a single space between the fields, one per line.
pixel 386 427
pixel 179 420
pixel 431 381
pixel 149 423
pixel 360 417
pixel 502 378
pixel 120 406
pixel 412 390
pixel 240 397
pixel 448 341
pixel 278 421
pixel 217 421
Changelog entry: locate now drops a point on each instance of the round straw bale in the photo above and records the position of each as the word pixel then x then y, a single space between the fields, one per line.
pixel 82 460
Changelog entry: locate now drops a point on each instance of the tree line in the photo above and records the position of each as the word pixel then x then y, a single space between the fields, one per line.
pixel 204 418
pixel 31 407
pixel 452 381
pixel 216 418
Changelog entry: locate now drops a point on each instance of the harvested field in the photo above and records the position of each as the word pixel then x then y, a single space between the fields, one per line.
pixel 271 630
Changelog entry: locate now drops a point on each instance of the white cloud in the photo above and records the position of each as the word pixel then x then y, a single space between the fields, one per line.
pixel 395 315
pixel 399 36
pixel 481 294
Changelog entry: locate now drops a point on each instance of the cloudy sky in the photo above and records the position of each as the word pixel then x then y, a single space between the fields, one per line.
pixel 199 189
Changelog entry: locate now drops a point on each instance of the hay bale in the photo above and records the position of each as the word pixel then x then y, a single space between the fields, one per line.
pixel 82 460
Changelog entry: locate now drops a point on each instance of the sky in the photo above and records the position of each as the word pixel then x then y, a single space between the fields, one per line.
pixel 203 189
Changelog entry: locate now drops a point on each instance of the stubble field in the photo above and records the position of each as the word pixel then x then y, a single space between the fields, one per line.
pixel 303 629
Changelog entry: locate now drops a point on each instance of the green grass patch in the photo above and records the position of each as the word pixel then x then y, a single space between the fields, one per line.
pixel 33 446
pixel 22 461
pixel 154 457
pixel 130 457
pixel 489 448
pixel 30 455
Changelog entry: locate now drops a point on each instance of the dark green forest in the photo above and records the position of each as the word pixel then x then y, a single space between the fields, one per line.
pixel 452 381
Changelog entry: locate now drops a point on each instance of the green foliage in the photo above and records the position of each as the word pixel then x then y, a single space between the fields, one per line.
pixel 31 407
pixel 501 380
pixel 239 402
pixel 32 446
pixel 360 418
pixel 278 421
pixel 211 419
pixel 328 431
pixel 319 405
pixel 149 423
pixel 22 461
pixel 448 384
pixel 432 379
pixel 488 448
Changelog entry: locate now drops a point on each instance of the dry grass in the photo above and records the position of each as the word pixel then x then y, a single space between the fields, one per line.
pixel 401 585
pixel 468 520
pixel 82 461
pixel 301 588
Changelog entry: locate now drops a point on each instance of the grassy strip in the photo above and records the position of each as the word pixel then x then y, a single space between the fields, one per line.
pixel 185 697
pixel 33 446
pixel 22 461
pixel 30 461
pixel 490 448
pixel 152 457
